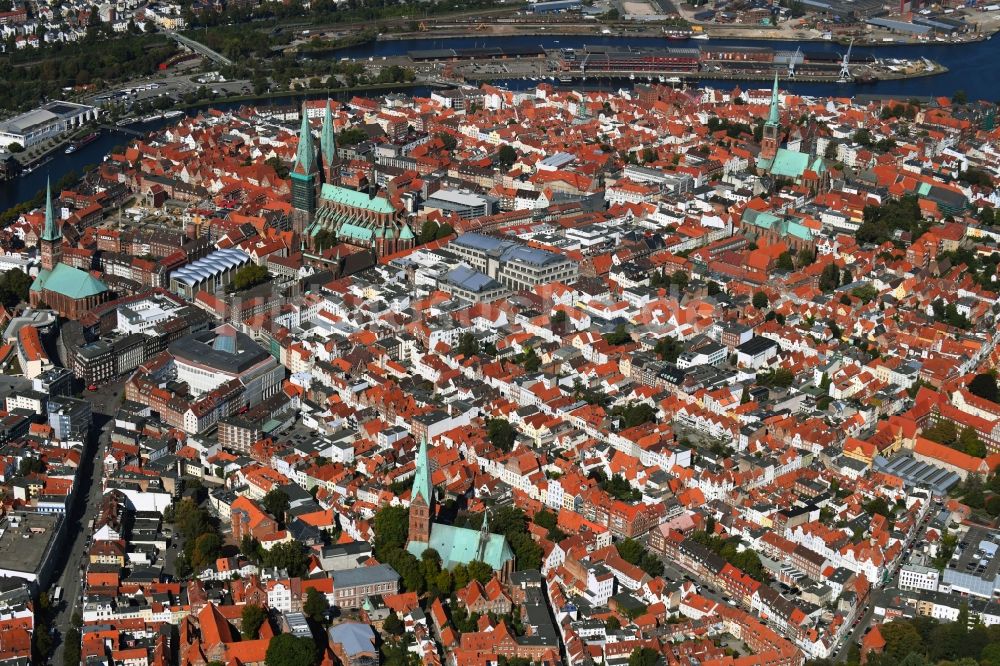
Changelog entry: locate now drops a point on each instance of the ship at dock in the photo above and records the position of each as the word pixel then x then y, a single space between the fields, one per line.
pixel 80 143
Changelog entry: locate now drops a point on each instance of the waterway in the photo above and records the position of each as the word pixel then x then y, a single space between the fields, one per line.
pixel 974 68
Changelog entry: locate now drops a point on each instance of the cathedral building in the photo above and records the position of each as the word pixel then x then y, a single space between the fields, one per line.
pixel 365 220
pixel 455 545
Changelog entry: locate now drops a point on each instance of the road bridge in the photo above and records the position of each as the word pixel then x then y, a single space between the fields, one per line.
pixel 199 48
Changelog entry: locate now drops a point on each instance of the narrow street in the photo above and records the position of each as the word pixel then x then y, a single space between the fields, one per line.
pixel 84 509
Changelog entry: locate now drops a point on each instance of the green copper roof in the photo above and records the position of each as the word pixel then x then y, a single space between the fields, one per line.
pixel 772 117
pixel 789 163
pixel 405 233
pixel 422 480
pixel 355 199
pixel 799 231
pixel 68 281
pixel 50 233
pixel 354 231
pixel 306 152
pixel 327 139
pixel 460 545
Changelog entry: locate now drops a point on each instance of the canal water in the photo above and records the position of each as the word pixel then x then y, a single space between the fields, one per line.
pixel 974 68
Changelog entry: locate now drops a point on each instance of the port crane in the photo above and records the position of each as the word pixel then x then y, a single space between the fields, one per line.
pixel 845 71
pixel 795 59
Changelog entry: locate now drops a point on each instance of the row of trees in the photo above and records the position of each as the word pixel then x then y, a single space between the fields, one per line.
pixel 881 222
pixel 947 433
pixel 746 560
pixel 431 230
pixel 200 533
pixel 924 641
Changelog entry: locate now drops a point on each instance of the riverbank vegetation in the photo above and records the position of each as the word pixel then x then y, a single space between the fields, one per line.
pixel 93 61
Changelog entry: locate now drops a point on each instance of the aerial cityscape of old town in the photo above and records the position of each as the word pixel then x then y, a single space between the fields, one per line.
pixel 500 333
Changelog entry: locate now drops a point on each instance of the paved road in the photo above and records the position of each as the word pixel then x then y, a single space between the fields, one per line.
pixel 103 402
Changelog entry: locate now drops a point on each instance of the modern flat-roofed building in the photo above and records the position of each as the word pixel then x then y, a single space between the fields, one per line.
pixel 466 204
pixel 472 286
pixel 208 359
pixel 28 541
pixel 513 265
pixel 45 122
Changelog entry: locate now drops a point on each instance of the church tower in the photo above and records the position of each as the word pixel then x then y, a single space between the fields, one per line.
pixel 328 148
pixel 421 498
pixel 304 176
pixel 772 128
pixel 51 241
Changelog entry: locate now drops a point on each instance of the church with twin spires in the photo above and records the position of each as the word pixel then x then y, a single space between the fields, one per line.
pixel 368 220
pixel 455 545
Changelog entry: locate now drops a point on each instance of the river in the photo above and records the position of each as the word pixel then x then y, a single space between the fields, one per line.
pixel 974 68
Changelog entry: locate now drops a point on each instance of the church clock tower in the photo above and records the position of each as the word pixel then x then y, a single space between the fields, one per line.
pixel 51 241
pixel 305 176
pixel 772 128
pixel 421 498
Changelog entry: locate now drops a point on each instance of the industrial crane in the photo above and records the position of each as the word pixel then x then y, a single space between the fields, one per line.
pixel 845 71
pixel 795 59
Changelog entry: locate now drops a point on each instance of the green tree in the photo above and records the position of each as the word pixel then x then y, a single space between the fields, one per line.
pixel 288 556
pixel 985 386
pixel 392 525
pixel 393 625
pixel 276 503
pixel 252 619
pixel 901 638
pixel 942 432
pixel 480 571
pixel 530 360
pixel 14 287
pixel 630 550
pixel 501 434
pixel 760 300
pixel 641 657
pixel 449 141
pixel 558 318
pixel 829 278
pixel 71 647
pixel 316 605
pixel 969 442
pixel 247 277
pixel 467 345
pixel 290 650
pixel 619 336
pixel 206 550
pixel 785 262
pixel 506 156
pixel 668 349
pixel 250 547
pixel 428 231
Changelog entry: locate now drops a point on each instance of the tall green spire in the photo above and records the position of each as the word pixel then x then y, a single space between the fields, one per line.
pixel 772 117
pixel 305 156
pixel 327 139
pixel 422 479
pixel 50 233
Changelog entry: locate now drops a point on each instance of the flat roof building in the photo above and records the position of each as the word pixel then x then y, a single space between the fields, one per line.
pixel 513 265
pixel 51 119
